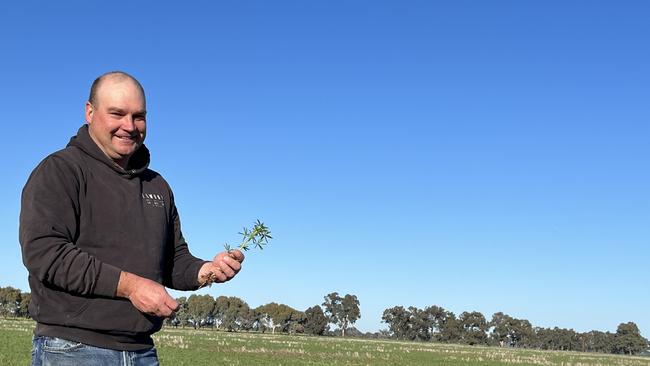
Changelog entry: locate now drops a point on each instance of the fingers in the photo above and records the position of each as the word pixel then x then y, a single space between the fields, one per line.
pixel 166 308
pixel 172 304
pixel 236 255
pixel 224 267
pixel 220 275
pixel 163 312
pixel 151 298
pixel 228 266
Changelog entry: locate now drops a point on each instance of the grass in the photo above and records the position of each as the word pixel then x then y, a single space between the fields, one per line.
pixel 15 341
pixel 206 347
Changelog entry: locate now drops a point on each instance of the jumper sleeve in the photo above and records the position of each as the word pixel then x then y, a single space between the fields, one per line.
pixel 184 266
pixel 49 226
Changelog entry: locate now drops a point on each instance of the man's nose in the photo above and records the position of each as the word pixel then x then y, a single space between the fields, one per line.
pixel 128 123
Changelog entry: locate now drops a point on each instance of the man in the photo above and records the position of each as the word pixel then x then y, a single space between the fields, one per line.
pixel 101 239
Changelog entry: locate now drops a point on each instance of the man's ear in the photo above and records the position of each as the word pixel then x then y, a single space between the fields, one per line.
pixel 89 112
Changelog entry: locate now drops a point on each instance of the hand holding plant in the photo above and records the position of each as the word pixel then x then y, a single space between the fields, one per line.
pixel 256 237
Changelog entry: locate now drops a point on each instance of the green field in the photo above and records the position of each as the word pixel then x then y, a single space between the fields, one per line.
pixel 206 347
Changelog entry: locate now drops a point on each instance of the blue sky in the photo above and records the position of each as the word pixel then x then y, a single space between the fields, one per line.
pixel 488 156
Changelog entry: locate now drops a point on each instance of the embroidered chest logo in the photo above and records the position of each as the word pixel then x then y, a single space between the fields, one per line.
pixel 153 199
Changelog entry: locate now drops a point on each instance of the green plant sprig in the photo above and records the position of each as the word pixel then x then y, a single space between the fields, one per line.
pixel 257 237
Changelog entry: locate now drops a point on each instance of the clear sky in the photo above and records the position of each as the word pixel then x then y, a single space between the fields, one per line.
pixel 480 156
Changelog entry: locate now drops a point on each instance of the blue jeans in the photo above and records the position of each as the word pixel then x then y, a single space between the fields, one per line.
pixel 50 351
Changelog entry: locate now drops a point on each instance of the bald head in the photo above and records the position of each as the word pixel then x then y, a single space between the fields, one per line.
pixel 114 76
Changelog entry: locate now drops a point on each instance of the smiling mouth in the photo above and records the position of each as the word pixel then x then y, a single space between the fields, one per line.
pixel 126 138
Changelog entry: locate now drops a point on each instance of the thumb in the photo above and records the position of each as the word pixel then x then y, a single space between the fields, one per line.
pixel 237 255
pixel 171 303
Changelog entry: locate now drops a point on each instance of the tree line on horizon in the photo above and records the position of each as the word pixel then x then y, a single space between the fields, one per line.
pixel 431 324
pixel 230 313
pixel 436 324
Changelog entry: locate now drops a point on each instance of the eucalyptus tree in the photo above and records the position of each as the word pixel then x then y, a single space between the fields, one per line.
pixel 10 299
pixel 398 320
pixel 315 321
pixel 200 309
pixel 628 339
pixel 342 311
pixel 233 312
pixel 510 331
pixel 474 327
pixel 597 341
pixel 281 316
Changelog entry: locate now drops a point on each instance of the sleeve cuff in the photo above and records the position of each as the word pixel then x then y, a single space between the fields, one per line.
pixel 107 280
pixel 192 274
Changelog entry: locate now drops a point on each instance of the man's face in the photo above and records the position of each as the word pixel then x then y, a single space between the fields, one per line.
pixel 117 121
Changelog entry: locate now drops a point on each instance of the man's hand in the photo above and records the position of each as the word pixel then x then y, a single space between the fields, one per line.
pixel 146 295
pixel 224 267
